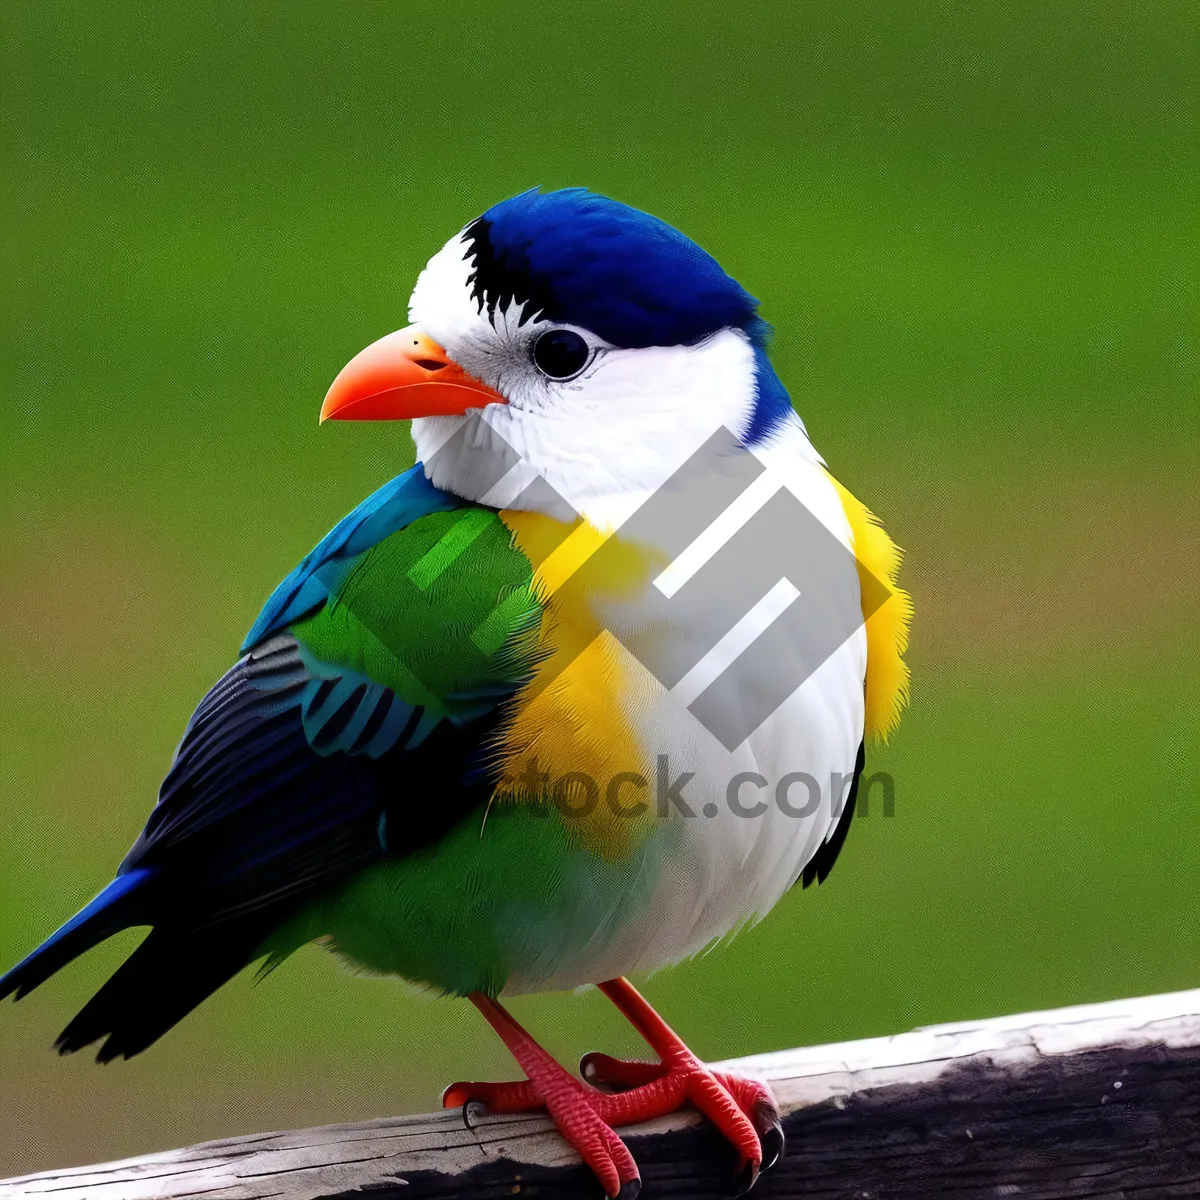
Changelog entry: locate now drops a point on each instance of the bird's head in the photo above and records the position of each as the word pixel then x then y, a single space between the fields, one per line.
pixel 577 340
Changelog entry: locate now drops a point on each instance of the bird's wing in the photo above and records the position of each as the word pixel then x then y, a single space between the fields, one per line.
pixel 357 724
pixel 358 721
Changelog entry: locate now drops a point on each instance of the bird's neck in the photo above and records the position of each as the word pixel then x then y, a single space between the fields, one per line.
pixel 604 454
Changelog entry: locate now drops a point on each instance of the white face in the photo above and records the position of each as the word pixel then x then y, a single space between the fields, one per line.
pixel 604 436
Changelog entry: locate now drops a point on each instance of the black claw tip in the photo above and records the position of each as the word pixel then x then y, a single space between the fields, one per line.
pixel 629 1190
pixel 747 1177
pixel 772 1145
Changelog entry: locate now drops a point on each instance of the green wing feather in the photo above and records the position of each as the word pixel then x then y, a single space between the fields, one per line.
pixel 442 613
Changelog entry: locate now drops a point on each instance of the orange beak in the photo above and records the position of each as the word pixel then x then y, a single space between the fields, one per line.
pixel 404 375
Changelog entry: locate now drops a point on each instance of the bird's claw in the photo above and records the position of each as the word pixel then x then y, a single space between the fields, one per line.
pixel 577 1110
pixel 620 1092
pixel 519 1096
pixel 754 1098
pixel 770 1134
pixel 747 1177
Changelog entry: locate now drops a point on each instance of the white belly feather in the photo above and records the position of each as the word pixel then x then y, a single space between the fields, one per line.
pixel 724 868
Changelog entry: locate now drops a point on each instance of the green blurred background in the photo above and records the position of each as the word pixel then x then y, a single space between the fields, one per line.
pixel 974 228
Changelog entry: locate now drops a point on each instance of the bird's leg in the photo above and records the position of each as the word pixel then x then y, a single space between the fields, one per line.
pixel 750 1096
pixel 744 1111
pixel 578 1110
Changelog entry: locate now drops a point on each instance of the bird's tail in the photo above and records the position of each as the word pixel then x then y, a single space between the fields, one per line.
pixel 122 904
pixel 158 985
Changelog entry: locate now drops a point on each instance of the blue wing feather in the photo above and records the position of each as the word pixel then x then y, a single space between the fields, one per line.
pixel 395 505
pixel 114 909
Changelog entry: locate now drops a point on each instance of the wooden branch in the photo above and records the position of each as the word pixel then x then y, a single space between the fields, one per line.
pixel 1102 1100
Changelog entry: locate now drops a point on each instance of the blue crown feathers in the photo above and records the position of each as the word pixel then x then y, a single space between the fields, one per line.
pixel 581 259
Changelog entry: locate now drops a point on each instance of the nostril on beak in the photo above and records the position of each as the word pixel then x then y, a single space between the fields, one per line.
pixel 429 364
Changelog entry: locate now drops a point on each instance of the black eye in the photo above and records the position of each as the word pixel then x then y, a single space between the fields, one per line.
pixel 560 353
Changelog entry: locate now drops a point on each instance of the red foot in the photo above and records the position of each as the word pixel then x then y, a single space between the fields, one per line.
pixel 520 1096
pixel 752 1096
pixel 580 1115
pixel 706 1092
pixel 574 1107
pixel 585 1116
pixel 742 1109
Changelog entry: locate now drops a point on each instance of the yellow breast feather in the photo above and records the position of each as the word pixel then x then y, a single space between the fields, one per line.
pixel 572 718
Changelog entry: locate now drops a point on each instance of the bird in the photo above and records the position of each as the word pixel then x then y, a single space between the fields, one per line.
pixel 473 741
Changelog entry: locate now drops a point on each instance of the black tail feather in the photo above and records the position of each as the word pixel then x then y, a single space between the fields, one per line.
pixel 170 973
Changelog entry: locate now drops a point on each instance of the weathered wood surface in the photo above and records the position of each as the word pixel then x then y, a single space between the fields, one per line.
pixel 1096 1101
